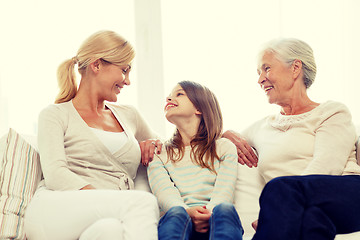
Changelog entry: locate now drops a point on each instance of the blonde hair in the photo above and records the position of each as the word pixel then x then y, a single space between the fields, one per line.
pixel 290 49
pixel 105 45
pixel 203 144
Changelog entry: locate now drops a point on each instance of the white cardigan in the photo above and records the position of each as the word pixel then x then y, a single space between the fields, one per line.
pixel 321 141
pixel 72 156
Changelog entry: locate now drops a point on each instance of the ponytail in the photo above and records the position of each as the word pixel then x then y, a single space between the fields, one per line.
pixel 106 45
pixel 66 81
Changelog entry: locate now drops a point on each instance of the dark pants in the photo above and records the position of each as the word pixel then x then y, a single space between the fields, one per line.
pixel 314 207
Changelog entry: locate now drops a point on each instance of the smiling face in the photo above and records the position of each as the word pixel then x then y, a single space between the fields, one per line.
pixel 179 106
pixel 275 78
pixel 112 78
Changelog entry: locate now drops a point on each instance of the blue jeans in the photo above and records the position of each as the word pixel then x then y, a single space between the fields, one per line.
pixel 309 207
pixel 224 224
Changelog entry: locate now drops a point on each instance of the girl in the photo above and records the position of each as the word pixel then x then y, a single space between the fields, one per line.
pixel 194 179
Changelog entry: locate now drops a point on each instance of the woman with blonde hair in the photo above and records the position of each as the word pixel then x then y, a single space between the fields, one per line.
pixel 89 151
pixel 194 179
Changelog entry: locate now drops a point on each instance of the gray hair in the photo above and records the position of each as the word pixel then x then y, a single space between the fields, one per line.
pixel 290 49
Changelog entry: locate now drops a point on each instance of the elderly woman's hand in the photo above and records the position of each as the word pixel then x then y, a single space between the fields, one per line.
pixel 148 148
pixel 254 224
pixel 246 154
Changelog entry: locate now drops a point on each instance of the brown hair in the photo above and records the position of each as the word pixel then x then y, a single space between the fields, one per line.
pixel 105 45
pixel 203 145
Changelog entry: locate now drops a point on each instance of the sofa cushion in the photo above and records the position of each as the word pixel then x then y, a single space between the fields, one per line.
pixel 249 185
pixel 20 174
pixel 141 181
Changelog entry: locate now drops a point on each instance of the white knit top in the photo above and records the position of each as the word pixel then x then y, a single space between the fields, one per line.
pixel 321 141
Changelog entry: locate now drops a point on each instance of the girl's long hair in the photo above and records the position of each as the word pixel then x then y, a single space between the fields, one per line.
pixel 203 145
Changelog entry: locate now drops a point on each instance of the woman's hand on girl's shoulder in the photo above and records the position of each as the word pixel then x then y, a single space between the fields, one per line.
pixel 148 148
pixel 246 154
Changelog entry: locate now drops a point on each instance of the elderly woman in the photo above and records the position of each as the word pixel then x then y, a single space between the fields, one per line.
pixel 304 138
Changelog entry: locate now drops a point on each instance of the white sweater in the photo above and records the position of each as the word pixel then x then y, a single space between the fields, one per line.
pixel 321 141
pixel 72 156
pixel 186 184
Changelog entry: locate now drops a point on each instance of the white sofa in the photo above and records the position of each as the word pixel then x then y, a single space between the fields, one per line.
pixel 248 189
pixel 18 155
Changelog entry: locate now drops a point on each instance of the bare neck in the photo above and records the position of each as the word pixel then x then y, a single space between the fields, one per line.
pixel 188 130
pixel 87 98
pixel 297 106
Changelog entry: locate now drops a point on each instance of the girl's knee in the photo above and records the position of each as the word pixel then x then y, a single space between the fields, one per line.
pixel 226 218
pixel 226 209
pixel 225 205
pixel 177 211
pixel 175 218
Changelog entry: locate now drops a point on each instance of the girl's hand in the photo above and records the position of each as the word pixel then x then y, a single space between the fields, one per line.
pixel 148 148
pixel 200 217
pixel 246 154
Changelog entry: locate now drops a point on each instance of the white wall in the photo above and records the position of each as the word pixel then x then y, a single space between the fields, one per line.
pixel 36 36
pixel 3 110
pixel 216 42
pixel 210 41
pixel 149 63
